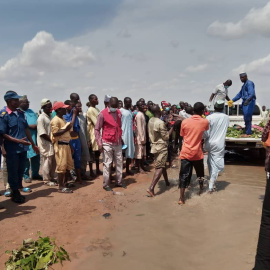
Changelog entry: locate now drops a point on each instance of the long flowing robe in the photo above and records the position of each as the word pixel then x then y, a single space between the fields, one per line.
pixel 215 144
pixel 84 138
pixel 31 118
pixel 140 128
pixel 128 135
pixel 92 115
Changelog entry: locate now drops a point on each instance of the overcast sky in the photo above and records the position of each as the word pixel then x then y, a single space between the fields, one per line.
pixel 160 50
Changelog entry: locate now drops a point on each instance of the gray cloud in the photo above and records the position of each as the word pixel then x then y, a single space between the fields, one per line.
pixel 124 33
pixel 256 21
pixel 175 43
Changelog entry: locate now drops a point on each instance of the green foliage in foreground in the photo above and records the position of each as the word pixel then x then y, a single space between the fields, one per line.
pixel 36 255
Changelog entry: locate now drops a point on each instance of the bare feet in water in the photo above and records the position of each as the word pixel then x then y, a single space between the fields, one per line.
pixel 181 202
pixel 151 193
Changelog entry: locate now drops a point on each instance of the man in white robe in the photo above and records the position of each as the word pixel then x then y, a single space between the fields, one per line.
pixel 215 142
pixel 128 134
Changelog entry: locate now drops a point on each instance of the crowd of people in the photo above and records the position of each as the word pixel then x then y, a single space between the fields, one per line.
pixel 63 139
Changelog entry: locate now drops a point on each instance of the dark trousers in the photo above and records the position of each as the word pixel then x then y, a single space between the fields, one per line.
pixel 248 111
pixel 262 261
pixel 186 171
pixel 15 168
pixel 178 139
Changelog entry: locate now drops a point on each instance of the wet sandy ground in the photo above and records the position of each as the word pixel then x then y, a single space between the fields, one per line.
pixel 217 231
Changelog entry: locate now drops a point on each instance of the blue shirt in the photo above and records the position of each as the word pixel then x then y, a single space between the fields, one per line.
pixel 247 92
pixel 68 117
pixel 31 119
pixel 13 124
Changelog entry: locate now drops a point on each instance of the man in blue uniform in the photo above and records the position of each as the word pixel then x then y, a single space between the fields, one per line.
pixel 17 138
pixel 247 93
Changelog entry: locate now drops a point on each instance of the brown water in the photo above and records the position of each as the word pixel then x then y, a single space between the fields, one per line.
pixel 209 232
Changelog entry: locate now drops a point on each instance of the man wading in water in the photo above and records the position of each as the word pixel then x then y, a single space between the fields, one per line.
pixel 192 130
pixel 159 138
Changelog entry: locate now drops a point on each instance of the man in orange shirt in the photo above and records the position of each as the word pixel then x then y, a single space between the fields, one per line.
pixel 192 130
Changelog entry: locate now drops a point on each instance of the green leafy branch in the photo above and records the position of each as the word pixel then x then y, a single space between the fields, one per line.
pixel 36 255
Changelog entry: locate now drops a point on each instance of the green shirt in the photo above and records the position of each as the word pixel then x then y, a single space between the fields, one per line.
pixel 149 114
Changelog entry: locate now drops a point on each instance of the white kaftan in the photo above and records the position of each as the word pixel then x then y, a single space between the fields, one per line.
pixel 215 144
pixel 127 135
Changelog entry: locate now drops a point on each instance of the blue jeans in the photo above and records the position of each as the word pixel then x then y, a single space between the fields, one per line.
pixel 35 163
pixel 248 111
pixel 77 155
pixel 15 168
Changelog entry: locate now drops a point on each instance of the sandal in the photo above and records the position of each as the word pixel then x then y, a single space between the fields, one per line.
pixel 27 180
pixel 107 188
pixel 50 184
pixel 7 193
pixel 26 189
pixel 65 190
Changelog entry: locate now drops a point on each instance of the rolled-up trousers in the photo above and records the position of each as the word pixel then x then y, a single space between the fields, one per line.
pixel 112 153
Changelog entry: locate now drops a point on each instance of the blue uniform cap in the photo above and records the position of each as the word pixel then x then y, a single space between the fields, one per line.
pixel 11 95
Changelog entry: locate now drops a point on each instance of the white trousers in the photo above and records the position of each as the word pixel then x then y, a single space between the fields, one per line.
pixel 48 167
pixel 5 174
pixel 112 153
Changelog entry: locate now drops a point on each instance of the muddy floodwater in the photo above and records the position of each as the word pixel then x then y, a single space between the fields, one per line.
pixel 130 231
pixel 209 232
